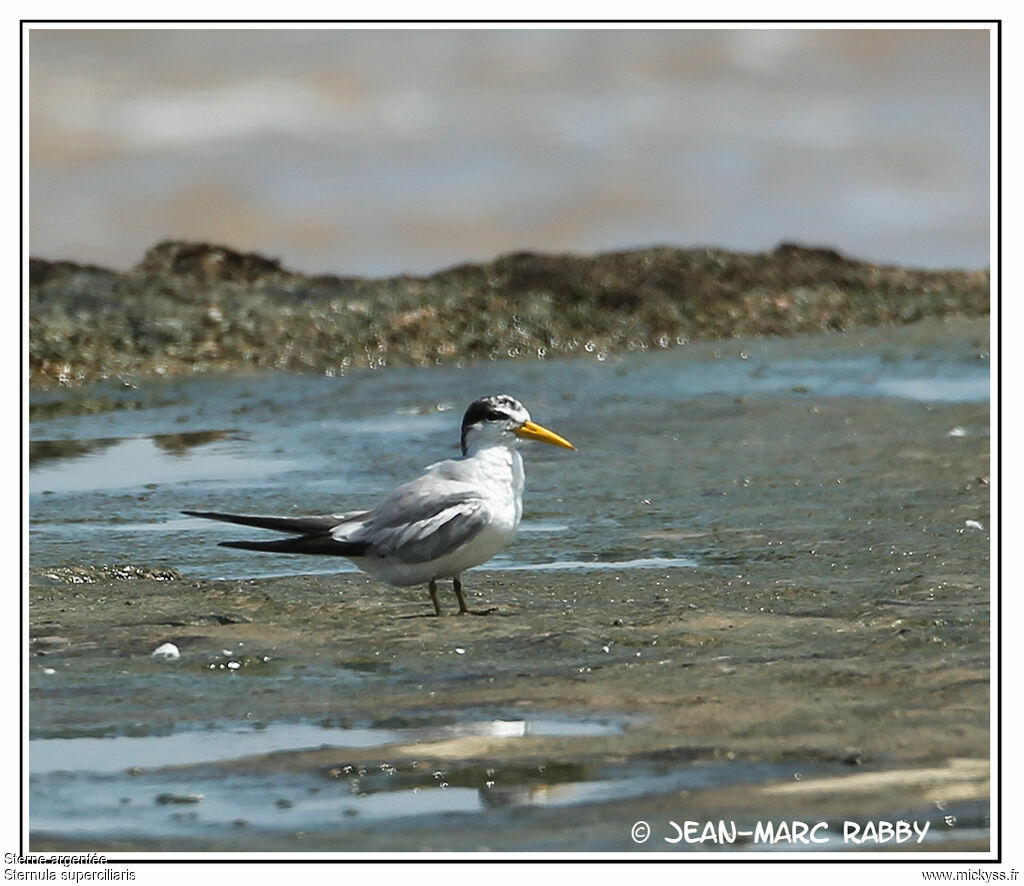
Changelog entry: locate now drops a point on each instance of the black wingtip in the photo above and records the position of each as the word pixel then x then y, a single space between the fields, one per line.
pixel 285 546
pixel 305 544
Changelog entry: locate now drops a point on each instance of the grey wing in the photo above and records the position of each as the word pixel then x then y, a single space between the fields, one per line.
pixel 415 526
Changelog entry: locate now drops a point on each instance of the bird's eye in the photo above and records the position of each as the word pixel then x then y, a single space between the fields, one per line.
pixel 495 415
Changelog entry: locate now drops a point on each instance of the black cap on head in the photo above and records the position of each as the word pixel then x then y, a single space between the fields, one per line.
pixel 498 407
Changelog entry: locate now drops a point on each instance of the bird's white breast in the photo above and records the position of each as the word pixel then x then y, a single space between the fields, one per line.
pixel 498 473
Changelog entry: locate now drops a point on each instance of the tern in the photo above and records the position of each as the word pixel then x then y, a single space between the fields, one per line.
pixel 457 515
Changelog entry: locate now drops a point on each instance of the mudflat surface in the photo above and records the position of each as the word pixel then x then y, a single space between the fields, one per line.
pixel 758 593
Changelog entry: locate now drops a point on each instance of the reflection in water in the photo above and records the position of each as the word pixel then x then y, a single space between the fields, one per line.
pixel 544 794
pixel 132 786
pixel 41 452
pixel 146 770
pixel 119 752
pixel 82 465
pixel 180 444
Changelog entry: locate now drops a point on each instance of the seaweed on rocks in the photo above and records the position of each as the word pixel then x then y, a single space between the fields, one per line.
pixel 192 307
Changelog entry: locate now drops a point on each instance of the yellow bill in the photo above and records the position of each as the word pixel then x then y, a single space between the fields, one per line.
pixel 533 431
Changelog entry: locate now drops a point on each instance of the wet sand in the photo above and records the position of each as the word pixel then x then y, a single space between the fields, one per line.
pixel 828 657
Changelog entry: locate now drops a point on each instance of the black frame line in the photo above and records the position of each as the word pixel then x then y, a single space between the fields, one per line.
pixel 996 691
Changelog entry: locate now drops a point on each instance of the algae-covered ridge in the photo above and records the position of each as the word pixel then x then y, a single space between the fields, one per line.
pixel 193 307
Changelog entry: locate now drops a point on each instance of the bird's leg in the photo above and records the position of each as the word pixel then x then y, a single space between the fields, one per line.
pixel 432 587
pixel 457 585
pixel 463 608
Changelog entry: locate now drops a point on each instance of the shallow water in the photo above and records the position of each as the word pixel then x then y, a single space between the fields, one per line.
pixel 190 747
pixel 153 785
pixel 187 800
pixel 760 554
pixel 110 485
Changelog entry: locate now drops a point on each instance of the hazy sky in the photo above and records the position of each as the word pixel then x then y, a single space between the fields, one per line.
pixel 407 150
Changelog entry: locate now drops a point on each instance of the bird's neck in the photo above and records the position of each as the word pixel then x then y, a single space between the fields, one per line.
pixel 499 462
